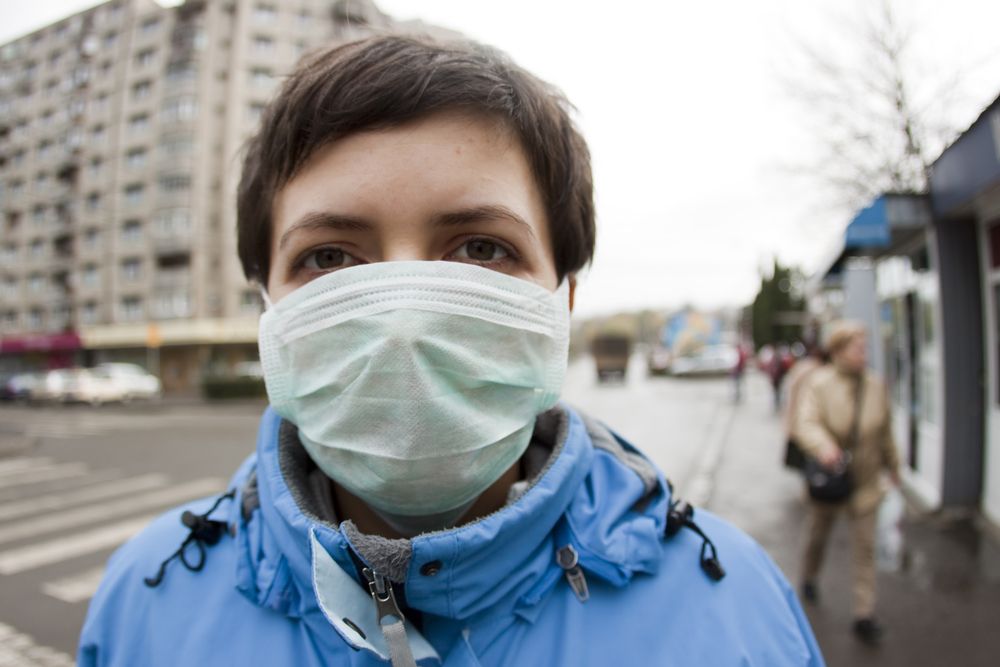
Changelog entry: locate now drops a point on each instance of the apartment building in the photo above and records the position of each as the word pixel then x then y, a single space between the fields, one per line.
pixel 120 135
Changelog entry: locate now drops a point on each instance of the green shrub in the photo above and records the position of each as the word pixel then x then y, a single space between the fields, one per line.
pixel 233 387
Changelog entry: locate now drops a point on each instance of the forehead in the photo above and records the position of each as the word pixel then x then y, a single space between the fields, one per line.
pixel 433 160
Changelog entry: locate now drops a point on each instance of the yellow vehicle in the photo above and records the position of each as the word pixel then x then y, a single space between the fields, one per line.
pixel 611 353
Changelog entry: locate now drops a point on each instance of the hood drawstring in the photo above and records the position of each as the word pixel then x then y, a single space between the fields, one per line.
pixel 203 531
pixel 681 515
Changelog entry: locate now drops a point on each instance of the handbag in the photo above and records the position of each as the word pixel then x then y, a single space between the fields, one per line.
pixel 794 456
pixel 835 485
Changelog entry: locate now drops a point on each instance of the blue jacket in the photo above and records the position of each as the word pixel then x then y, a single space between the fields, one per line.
pixel 281 587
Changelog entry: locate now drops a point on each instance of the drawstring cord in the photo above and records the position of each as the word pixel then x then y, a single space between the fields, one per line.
pixel 681 515
pixel 203 531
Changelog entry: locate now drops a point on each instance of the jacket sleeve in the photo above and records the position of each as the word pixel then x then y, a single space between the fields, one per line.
pixel 808 429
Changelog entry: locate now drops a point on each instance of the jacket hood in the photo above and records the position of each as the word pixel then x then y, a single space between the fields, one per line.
pixel 595 493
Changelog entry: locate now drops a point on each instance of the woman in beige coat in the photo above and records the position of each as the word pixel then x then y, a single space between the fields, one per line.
pixel 823 424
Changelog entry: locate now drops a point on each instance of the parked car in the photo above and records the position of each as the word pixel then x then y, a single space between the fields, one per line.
pixel 52 385
pixel 129 381
pixel 658 360
pixel 86 386
pixel 18 387
pixel 708 360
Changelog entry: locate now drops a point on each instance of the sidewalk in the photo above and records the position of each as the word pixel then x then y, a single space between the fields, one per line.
pixel 942 608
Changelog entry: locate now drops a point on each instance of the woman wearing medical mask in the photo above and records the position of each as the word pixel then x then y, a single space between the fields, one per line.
pixel 415 213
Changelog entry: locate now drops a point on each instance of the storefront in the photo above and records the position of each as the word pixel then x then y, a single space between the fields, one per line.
pixel 965 191
pixel 32 353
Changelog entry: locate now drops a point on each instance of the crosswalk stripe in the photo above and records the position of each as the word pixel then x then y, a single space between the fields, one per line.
pixel 66 547
pixel 20 650
pixel 75 588
pixel 44 474
pixel 87 494
pixel 109 510
pixel 17 493
pixel 20 463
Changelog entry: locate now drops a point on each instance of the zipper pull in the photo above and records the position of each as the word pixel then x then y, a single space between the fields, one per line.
pixel 385 599
pixel 569 561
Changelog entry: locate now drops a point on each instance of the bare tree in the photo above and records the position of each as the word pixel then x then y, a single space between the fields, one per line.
pixel 878 118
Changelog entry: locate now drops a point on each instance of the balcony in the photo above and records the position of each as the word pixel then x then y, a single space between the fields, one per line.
pixel 172 280
pixel 172 241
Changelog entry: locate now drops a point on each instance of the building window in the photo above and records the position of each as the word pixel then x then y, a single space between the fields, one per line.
pixel 36 319
pixel 90 275
pixel 174 304
pixel 88 314
pixel 10 288
pixel 37 249
pixel 255 111
pixel 149 26
pixel 111 40
pixel 44 148
pixel 265 14
pixel 263 44
pixel 181 71
pixel 172 221
pixel 131 270
pixel 10 320
pixel 98 134
pixel 36 283
pixel 179 109
pixel 132 231
pixel 136 158
pixel 145 57
pixel 92 238
pixel 177 144
pixel 8 253
pixel 96 167
pixel 261 77
pixel 142 90
pixel 250 302
pixel 134 194
pixel 175 183
pixel 38 215
pixel 101 103
pixel 131 309
pixel 93 201
pixel 138 123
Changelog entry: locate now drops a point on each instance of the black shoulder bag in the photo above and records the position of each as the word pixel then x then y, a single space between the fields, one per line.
pixel 835 485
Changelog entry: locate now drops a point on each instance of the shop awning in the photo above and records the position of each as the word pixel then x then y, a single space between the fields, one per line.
pixel 970 167
pixel 888 222
pixel 64 341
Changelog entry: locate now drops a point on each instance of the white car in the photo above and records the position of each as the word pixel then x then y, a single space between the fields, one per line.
pixel 709 360
pixel 130 381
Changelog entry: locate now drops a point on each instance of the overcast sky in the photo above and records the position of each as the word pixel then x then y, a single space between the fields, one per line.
pixel 692 133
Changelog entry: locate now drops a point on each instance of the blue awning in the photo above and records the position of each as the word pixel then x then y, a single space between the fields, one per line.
pixel 890 220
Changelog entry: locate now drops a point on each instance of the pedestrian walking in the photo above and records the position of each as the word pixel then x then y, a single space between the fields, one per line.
pixel 739 370
pixel 777 367
pixel 796 380
pixel 415 214
pixel 843 417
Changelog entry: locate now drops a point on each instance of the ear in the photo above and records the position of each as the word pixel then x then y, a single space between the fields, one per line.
pixel 572 290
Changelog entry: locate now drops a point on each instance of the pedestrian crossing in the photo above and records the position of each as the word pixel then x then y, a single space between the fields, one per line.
pixel 56 514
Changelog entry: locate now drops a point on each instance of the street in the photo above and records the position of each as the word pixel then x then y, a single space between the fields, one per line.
pixel 95 476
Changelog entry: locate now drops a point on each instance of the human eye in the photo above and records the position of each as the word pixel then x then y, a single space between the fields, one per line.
pixel 325 259
pixel 484 251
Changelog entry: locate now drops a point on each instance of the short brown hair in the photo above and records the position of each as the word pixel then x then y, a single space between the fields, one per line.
pixel 385 81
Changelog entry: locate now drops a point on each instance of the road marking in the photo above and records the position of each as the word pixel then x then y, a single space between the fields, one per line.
pixel 76 588
pixel 20 650
pixel 17 493
pixel 63 548
pixel 21 463
pixel 87 494
pixel 44 474
pixel 110 510
pixel 701 482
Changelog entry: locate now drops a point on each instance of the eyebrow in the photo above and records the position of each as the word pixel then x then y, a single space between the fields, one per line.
pixel 479 213
pixel 322 220
pixel 465 216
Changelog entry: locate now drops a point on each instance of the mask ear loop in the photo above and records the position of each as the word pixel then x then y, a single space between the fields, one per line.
pixel 263 295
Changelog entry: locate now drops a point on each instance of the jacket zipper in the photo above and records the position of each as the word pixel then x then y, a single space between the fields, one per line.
pixel 569 561
pixel 381 592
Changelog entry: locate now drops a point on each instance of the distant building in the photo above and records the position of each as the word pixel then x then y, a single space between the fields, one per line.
pixel 120 134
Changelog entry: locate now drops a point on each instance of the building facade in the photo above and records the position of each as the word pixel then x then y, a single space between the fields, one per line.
pixel 120 136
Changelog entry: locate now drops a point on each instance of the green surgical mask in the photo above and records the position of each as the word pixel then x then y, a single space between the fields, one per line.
pixel 415 385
